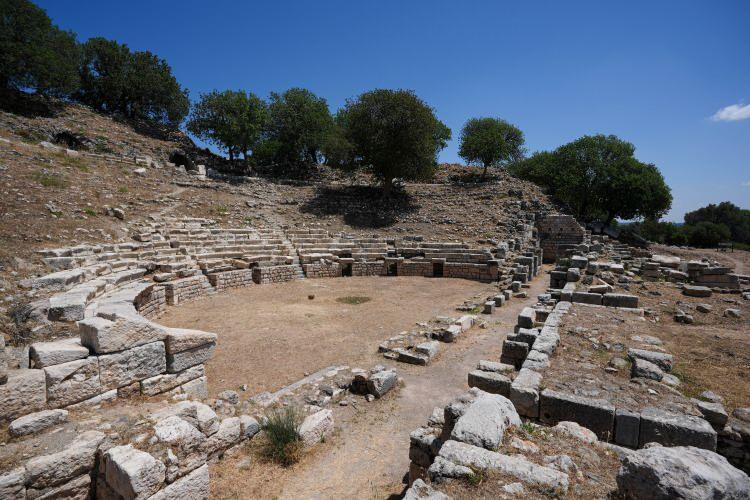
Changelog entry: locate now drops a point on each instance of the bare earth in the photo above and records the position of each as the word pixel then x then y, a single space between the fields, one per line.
pixel 272 335
pixel 368 455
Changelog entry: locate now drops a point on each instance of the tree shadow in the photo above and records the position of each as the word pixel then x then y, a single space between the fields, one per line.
pixel 360 206
pixel 29 105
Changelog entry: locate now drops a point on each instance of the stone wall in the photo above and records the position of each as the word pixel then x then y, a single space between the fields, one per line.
pixel 558 234
pixel 275 274
pixel 322 269
pixel 478 272
pixel 415 268
pixel 185 289
pixel 231 279
pixel 376 268
pixel 151 302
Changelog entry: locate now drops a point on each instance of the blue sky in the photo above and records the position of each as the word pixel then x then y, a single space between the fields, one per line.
pixel 652 72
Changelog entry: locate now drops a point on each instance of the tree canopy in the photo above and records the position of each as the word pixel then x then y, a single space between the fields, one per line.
pixel 139 85
pixel 491 142
pixel 35 54
pixel 599 178
pixel 232 120
pixel 391 133
pixel 299 123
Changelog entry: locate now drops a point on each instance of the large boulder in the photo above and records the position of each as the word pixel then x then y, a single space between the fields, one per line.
pixel 485 420
pixel 680 472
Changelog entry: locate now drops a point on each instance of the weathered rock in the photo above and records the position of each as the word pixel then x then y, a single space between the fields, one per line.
pixel 714 413
pixel 76 459
pixel 175 431
pixel 24 392
pixel 12 484
pixel 37 422
pixel 663 473
pixel 491 382
pixel 597 415
pixel 179 361
pixel 168 381
pixel 696 291
pixel 45 354
pixel 378 384
pixel 422 491
pixel 200 415
pixel 732 313
pixel 575 430
pixel 77 488
pixel 485 421
pixel 249 426
pixel 194 485
pixel 105 336
pixel 72 382
pixel 132 473
pixel 646 369
pixel 230 430
pixel 316 427
pixel 662 360
pixel 139 363
pixel 672 429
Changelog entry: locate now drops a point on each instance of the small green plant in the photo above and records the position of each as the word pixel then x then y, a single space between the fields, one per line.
pixel 529 428
pixel 50 180
pixel 476 310
pixel 283 443
pixel 222 210
pixel 476 477
pixel 90 212
pixel 353 300
pixel 122 189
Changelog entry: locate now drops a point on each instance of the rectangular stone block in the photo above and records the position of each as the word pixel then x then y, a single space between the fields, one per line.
pixel 673 429
pixel 526 318
pixel 43 354
pixel 104 336
pixel 72 382
pixel 587 298
pixel 627 428
pixel 491 382
pixel 24 392
pixel 168 381
pixel 524 393
pixel 619 300
pixel 139 363
pixel 179 339
pixel 179 361
pixel 597 415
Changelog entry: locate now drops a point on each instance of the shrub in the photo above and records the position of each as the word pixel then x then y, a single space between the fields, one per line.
pixel 490 142
pixel 283 443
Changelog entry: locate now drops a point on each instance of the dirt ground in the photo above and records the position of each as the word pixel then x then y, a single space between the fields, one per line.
pixel 367 457
pixel 273 335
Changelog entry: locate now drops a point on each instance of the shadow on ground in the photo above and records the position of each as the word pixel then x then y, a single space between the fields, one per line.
pixel 360 206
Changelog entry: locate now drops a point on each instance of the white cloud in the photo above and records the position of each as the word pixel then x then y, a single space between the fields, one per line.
pixel 746 184
pixel 732 113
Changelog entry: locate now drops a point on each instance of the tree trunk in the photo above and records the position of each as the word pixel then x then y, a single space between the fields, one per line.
pixel 484 172
pixel 387 187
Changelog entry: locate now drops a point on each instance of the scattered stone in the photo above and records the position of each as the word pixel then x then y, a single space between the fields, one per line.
pixel 646 369
pixel 316 427
pixel 485 421
pixel 732 313
pixel 714 413
pixel 577 431
pixel 37 422
pixel 132 473
pixel 696 291
pixel 704 308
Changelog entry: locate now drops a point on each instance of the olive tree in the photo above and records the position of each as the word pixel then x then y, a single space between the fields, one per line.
pixel 490 142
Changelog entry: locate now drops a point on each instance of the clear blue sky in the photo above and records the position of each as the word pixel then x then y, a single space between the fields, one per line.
pixel 651 72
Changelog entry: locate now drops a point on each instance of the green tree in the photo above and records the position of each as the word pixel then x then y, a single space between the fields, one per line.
pixel 139 85
pixel 393 134
pixel 35 54
pixel 736 219
pixel 491 142
pixel 707 234
pixel 599 178
pixel 298 127
pixel 231 120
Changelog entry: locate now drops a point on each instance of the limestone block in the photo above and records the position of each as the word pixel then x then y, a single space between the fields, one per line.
pixel 485 421
pixel 597 415
pixel 316 427
pixel 200 415
pixel 619 300
pixel 105 336
pixel 179 340
pixel 696 291
pixel 72 382
pixel 179 361
pixel 627 428
pixel 526 318
pixel 168 381
pixel 24 392
pixel 139 363
pixel 250 427
pixel 672 429
pixel 381 382
pixel 175 431
pixel 75 460
pixel 196 389
pixel 422 491
pixel 37 422
pixel 587 298
pixel 229 433
pixel 132 473
pixel 491 382
pixel 79 487
pixel 12 484
pixel 646 369
pixel 494 366
pixel 524 392
pixel 662 360
pixel 96 400
pixel 465 322
pixel 45 354
pixel 193 486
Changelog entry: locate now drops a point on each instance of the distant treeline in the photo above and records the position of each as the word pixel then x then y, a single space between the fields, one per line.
pixel 705 227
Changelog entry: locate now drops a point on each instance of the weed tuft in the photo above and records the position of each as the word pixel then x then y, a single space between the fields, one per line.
pixel 283 443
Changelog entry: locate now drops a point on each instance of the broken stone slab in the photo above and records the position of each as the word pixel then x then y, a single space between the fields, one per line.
pixel 104 336
pixel 494 366
pixel 664 473
pixel 485 421
pixel 316 427
pixel 73 382
pixel 249 427
pixel 645 369
pixel 422 491
pixel 524 392
pixel 662 360
pixel 182 360
pixel 429 349
pixel 180 339
pixel 673 429
pixel 379 383
pixel 627 428
pixel 79 487
pixel 24 392
pixel 449 333
pixel 43 354
pixel 411 357
pixel 176 432
pixel 195 389
pixel 194 485
pixel 597 415
pixel 491 382
pixel 696 291
pixel 229 434
pixel 473 458
pixel 57 468
pixel 94 401
pixel 168 381
pixel 526 318
pixel 37 422
pixel 197 414
pixel 465 322
pixel 714 413
pixel 424 445
pixel 132 473
pixel 587 298
pixel 577 431
pixel 133 365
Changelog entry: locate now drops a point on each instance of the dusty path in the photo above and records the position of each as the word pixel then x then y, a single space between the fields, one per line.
pixel 368 456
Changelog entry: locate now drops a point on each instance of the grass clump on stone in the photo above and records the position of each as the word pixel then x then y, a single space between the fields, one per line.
pixel 353 300
pixel 283 443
